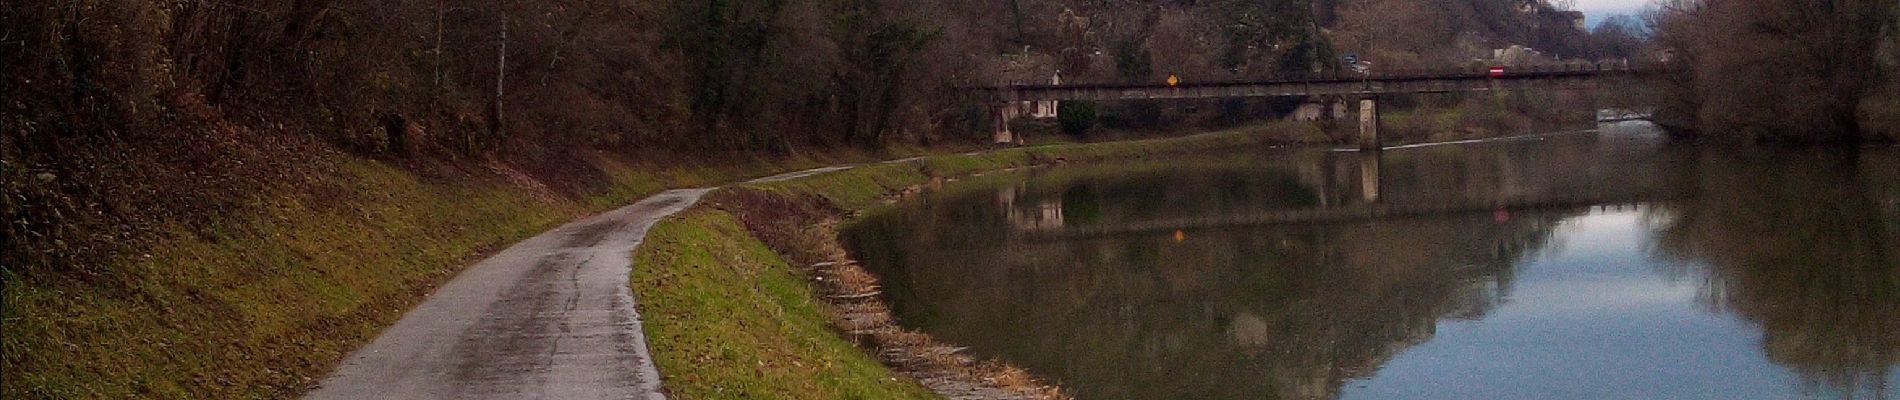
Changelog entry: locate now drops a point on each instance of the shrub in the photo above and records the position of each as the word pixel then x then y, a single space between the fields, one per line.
pixel 1076 117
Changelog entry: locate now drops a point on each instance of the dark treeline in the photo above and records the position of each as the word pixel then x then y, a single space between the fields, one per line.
pixel 474 76
pixel 1781 70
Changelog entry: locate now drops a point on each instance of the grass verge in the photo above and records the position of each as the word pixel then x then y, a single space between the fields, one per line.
pixel 729 319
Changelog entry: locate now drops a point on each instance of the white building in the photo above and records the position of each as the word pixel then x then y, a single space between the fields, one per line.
pixel 1044 109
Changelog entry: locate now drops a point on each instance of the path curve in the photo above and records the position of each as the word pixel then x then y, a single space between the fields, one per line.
pixel 550 317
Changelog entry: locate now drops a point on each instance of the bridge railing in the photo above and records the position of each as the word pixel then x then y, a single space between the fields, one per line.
pixel 1547 70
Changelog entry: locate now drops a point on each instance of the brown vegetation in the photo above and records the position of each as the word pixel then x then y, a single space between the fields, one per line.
pixel 1779 70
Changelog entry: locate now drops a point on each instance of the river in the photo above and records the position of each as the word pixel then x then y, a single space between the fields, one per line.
pixel 1603 265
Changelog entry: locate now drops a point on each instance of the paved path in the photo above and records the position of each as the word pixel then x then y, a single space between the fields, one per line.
pixel 550 317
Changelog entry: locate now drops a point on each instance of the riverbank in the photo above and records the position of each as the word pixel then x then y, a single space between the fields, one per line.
pixel 271 291
pixel 749 295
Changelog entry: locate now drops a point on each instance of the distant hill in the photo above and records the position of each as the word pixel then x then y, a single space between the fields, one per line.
pixel 1594 17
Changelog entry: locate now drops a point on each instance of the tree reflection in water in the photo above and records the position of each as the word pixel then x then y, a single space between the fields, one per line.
pixel 1801 245
pixel 1806 246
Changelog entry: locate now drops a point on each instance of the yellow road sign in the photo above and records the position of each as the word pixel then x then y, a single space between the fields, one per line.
pixel 1173 80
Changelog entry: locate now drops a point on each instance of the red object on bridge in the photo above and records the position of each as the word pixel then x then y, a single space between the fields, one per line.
pixel 1497 71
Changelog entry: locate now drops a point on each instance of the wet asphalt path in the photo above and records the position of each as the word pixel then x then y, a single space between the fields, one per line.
pixel 550 317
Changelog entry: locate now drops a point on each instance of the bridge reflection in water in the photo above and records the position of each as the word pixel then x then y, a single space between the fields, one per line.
pixel 1076 273
pixel 1499 185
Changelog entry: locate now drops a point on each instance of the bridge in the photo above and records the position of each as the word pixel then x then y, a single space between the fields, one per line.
pixel 1010 99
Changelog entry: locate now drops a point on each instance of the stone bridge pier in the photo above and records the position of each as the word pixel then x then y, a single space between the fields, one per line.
pixel 1368 124
pixel 1369 162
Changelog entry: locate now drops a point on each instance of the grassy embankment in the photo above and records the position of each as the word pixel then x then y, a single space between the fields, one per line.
pixel 731 308
pixel 271 295
pixel 275 292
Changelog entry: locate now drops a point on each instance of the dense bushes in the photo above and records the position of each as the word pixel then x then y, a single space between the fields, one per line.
pixel 1076 117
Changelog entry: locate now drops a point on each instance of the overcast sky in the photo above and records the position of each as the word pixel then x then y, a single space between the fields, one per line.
pixel 1595 11
pixel 1610 5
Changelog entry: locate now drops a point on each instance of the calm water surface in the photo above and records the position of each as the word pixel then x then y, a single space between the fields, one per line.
pixel 1569 266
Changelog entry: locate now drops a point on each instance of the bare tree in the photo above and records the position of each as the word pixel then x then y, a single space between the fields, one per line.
pixel 1772 70
pixel 501 77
